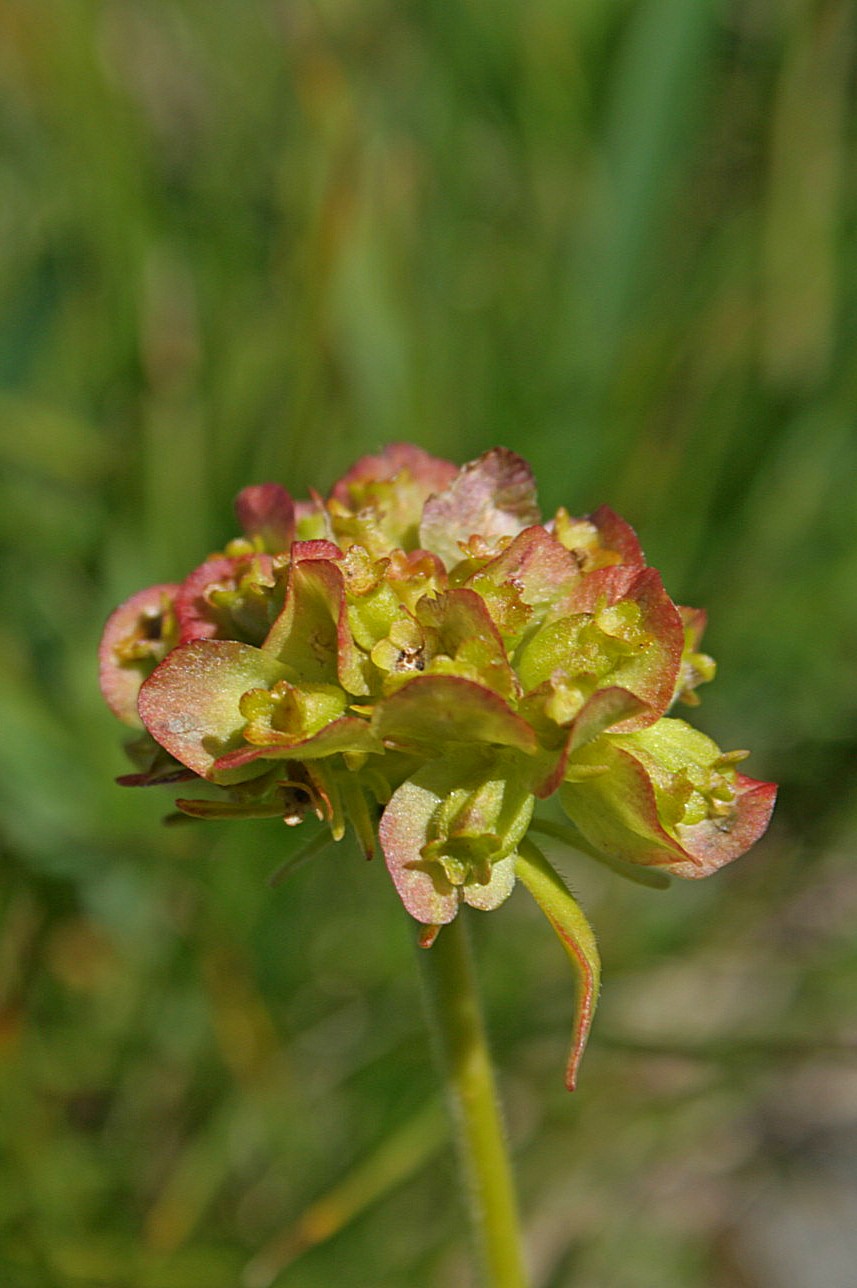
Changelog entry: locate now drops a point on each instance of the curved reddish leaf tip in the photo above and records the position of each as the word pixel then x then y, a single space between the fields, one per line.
pixel 134 628
pixel 267 511
pixel 427 935
pixel 432 472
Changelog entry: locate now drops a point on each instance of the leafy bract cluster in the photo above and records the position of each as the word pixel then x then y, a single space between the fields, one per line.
pixel 420 656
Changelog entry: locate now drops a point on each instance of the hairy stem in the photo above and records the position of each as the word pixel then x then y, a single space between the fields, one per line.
pixel 456 1020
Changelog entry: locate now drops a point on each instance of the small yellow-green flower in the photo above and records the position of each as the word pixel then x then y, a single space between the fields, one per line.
pixel 422 657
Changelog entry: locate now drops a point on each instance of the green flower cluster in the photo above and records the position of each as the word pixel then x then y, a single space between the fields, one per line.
pixel 421 657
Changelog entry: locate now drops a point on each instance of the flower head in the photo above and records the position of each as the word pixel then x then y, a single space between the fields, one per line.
pixel 422 657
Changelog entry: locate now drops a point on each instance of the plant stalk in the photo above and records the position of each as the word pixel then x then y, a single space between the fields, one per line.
pixel 455 1017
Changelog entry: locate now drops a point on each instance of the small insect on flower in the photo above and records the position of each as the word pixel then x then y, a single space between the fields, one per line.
pixel 421 657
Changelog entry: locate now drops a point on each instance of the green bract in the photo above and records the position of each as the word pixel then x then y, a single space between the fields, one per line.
pixel 422 657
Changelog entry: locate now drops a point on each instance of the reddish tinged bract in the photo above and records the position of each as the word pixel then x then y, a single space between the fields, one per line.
pixel 422 657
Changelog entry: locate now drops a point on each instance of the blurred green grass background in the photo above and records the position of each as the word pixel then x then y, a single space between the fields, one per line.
pixel 242 241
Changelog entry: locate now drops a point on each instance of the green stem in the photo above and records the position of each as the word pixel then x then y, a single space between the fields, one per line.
pixel 456 1020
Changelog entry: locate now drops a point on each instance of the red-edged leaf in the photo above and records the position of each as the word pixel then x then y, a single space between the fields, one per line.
pixel 715 842
pixel 577 938
pixel 198 617
pixel 600 540
pixel 451 808
pixel 617 812
pixel 134 627
pixel 190 703
pixel 535 564
pixel 432 473
pixel 317 548
pixel 266 511
pixel 403 831
pixel 617 535
pixel 606 709
pixel 652 674
pixel 494 496
pixel 311 636
pixel 348 733
pixel 431 710
pixel 462 629
pixel 636 808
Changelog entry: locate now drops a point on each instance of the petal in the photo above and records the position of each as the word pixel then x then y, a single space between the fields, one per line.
pixel 266 511
pixel 668 797
pixel 606 709
pixel 132 645
pixel 379 502
pixel 461 629
pixel 190 703
pixel 348 733
pixel 432 710
pixel 432 473
pixel 199 617
pixel 577 938
pixel 715 842
pixel 451 811
pixel 496 891
pixel 403 832
pixel 535 571
pixel 616 810
pixel 312 521
pixel 696 668
pixel 494 496
pixel 617 536
pixel 651 670
pixel 598 541
pixel 311 636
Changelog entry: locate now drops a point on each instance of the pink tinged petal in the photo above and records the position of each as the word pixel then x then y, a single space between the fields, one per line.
pixel 616 810
pixel 311 637
pixel 266 511
pixel 715 842
pixel 577 938
pixel 464 628
pixel 606 709
pixel 492 497
pixel 442 826
pixel 600 540
pixel 137 619
pixel 198 617
pixel 403 831
pixel 431 472
pixel 617 535
pixel 190 703
pixel 530 576
pixel 535 564
pixel 431 710
pixel 653 674
pixel 694 621
pixel 496 891
pixel 346 734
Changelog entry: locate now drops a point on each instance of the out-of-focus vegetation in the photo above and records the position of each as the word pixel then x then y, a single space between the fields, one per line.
pixel 242 241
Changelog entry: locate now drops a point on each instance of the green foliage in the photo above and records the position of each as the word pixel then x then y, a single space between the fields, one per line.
pixel 249 242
